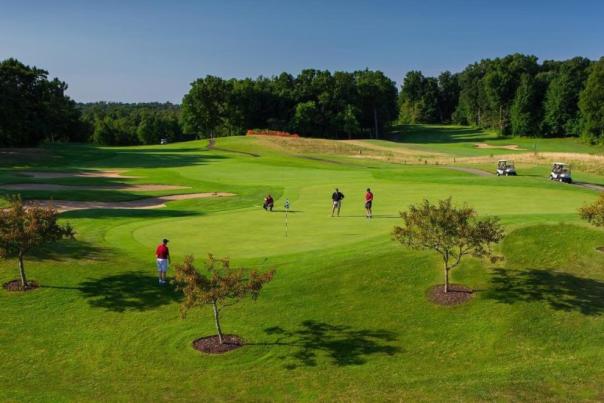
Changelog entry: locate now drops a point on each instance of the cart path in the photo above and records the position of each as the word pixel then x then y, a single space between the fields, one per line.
pixel 474 171
pixel 143 204
pixel 591 186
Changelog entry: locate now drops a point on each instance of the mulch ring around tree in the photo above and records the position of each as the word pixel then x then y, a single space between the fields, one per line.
pixel 211 344
pixel 458 294
pixel 15 285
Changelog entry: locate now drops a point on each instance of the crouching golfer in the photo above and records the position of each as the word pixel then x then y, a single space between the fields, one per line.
pixel 336 199
pixel 268 203
pixel 163 258
pixel 368 203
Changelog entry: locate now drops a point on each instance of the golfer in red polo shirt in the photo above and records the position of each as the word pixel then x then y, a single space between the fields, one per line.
pixel 162 253
pixel 369 203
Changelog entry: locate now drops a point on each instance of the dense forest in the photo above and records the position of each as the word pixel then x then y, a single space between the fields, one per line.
pixel 516 95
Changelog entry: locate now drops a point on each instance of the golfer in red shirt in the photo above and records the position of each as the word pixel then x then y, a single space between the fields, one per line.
pixel 162 253
pixel 368 203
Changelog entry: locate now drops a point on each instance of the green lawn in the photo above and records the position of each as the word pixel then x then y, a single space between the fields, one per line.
pixel 346 316
pixel 460 141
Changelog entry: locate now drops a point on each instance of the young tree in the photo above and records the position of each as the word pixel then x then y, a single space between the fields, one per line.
pixel 23 229
pixel 220 285
pixel 594 213
pixel 451 232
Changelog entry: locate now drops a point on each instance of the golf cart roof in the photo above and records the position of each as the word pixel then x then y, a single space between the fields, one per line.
pixel 560 163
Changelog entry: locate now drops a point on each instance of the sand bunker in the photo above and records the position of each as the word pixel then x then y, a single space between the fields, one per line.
pixel 150 203
pixel 82 174
pixel 512 147
pixel 48 186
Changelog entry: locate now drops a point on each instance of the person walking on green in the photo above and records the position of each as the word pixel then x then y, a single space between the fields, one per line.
pixel 336 199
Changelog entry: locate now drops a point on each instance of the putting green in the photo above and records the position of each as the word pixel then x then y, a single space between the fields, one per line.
pixel 345 318
pixel 252 232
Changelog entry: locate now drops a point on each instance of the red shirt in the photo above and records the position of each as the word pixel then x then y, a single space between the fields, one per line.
pixel 368 196
pixel 162 252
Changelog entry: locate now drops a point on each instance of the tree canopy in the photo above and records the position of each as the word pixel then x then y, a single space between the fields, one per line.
pixel 513 94
pixel 34 108
pixel 316 103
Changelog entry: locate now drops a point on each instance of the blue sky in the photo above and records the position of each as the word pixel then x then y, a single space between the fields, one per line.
pixel 135 51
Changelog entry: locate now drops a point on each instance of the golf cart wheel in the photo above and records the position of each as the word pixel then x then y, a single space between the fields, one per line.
pixel 498 174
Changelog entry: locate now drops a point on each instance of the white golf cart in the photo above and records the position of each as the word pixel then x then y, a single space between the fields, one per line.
pixel 561 172
pixel 506 168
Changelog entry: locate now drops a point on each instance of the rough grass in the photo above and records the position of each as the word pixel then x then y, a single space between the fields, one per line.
pixel 346 316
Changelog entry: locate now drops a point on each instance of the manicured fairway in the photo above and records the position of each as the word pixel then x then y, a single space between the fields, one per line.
pixel 345 318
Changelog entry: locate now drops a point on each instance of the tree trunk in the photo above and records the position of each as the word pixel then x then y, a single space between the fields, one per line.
pixel 446 278
pixel 22 271
pixel 217 322
pixel 501 120
pixel 375 122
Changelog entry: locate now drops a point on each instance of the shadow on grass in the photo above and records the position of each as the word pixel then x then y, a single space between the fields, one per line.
pixel 128 157
pixel 342 344
pixel 436 134
pixel 561 291
pixel 69 249
pixel 129 213
pixel 127 292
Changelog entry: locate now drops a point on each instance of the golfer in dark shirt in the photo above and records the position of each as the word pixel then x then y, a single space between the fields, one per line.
pixel 336 199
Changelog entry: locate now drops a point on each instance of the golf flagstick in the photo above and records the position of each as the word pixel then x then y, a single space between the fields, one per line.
pixel 286 211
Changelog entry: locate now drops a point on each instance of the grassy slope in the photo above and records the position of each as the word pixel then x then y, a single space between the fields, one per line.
pixel 345 318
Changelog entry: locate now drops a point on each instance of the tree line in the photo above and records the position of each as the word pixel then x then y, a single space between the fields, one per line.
pixel 314 103
pixel 34 108
pixel 514 94
pixel 132 124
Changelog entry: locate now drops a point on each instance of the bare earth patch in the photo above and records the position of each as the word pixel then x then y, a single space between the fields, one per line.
pixel 82 174
pixel 211 344
pixel 15 285
pixel 600 248
pixel 458 294
pixel 48 186
pixel 513 147
pixel 149 203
